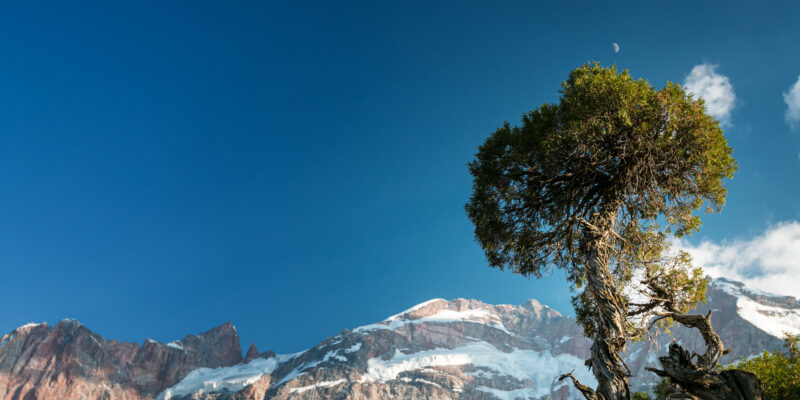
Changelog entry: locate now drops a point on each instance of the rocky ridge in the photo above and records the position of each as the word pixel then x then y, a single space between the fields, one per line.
pixel 459 349
pixel 68 361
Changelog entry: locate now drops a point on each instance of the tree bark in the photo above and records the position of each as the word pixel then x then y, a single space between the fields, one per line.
pixel 702 380
pixel 609 336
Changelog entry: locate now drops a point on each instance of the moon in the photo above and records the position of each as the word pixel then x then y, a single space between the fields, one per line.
pixel 616 47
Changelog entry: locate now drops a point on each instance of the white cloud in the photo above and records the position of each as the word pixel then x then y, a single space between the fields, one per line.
pixel 770 262
pixel 616 47
pixel 792 99
pixel 715 89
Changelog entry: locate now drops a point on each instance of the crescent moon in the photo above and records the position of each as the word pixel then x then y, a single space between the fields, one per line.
pixel 616 48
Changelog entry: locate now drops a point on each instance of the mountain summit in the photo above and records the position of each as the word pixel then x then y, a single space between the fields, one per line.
pixel 438 349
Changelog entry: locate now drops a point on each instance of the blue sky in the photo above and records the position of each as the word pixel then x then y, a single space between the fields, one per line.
pixel 299 168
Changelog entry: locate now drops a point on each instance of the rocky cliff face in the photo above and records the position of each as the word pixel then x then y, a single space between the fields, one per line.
pixel 460 349
pixel 68 361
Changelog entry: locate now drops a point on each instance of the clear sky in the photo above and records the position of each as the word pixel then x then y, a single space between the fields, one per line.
pixel 299 168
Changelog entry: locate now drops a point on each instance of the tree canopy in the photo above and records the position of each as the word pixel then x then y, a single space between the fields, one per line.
pixel 611 144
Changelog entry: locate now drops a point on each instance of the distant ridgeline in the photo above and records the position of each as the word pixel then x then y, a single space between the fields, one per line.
pixel 436 350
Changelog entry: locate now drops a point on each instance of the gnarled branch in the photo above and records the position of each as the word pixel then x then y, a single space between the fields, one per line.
pixel 702 380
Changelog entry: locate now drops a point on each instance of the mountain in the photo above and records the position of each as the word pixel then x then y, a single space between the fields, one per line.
pixel 436 350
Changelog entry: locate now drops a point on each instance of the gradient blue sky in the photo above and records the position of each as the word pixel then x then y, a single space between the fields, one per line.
pixel 299 168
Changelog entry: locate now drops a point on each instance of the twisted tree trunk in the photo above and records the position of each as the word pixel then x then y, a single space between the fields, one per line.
pixel 702 380
pixel 609 336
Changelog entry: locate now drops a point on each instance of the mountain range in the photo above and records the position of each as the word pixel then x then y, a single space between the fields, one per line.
pixel 439 349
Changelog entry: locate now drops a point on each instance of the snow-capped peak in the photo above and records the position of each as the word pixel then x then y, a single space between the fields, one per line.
pixel 442 311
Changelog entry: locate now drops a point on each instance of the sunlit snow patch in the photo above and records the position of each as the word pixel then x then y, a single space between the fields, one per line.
pixel 772 320
pixel 176 345
pixel 29 325
pixel 316 385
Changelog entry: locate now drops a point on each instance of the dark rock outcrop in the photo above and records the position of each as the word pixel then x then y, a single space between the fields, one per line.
pixel 252 353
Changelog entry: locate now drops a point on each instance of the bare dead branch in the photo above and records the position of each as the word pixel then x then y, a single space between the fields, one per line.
pixel 586 391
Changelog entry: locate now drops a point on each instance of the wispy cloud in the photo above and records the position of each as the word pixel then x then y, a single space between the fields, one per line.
pixel 792 99
pixel 715 89
pixel 770 261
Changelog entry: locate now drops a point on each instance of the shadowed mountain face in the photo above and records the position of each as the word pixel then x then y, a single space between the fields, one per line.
pixel 68 361
pixel 460 349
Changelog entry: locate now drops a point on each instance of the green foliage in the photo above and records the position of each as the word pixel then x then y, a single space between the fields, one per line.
pixel 640 396
pixel 613 155
pixel 779 373
pixel 662 389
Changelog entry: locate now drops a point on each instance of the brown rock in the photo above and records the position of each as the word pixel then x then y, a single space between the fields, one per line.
pixel 252 353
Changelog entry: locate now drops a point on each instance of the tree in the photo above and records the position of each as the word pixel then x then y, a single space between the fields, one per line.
pixel 593 185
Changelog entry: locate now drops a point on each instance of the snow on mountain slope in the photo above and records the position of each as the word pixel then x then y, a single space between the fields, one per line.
pixel 229 379
pixel 771 313
pixel 438 349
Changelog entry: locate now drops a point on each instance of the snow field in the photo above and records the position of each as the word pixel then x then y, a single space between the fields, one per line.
pixel 540 368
